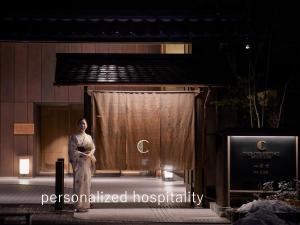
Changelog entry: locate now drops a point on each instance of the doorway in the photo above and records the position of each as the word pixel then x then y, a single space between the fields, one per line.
pixel 57 123
pixel 144 130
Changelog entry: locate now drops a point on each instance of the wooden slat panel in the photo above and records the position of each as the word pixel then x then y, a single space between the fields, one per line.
pixel 75 113
pixel 115 48
pixel 75 48
pixel 34 72
pixel 54 137
pixel 148 48
pixel 128 48
pixel 75 92
pixel 154 49
pixel 7 146
pixel 0 103
pixel 30 119
pixel 61 93
pixel 141 48
pixel 102 48
pixel 62 48
pixel 20 141
pixel 88 48
pixel 7 73
pixel 30 146
pixel 48 71
pixel 30 112
pixel 20 72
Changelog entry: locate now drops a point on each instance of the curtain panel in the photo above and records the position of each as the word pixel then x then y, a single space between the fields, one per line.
pixel 144 130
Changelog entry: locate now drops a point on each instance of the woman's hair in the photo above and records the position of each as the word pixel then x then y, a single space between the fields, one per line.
pixel 81 119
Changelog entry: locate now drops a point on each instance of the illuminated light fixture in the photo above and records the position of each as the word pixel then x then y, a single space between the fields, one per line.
pixel 25 168
pixel 168 172
pixel 247 43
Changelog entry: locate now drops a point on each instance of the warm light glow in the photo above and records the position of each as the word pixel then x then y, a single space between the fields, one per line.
pixel 172 48
pixel 24 166
pixel 168 171
pixel 168 167
pixel 168 174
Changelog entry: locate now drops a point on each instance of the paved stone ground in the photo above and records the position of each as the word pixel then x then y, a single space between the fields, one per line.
pixel 114 214
pixel 22 197
pixel 159 215
pixel 30 191
pixel 16 214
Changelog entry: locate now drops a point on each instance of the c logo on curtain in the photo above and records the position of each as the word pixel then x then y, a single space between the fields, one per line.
pixel 140 146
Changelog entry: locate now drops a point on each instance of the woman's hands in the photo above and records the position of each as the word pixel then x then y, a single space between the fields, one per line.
pixel 87 156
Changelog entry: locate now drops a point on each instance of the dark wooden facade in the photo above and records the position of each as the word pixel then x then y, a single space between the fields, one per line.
pixel 27 77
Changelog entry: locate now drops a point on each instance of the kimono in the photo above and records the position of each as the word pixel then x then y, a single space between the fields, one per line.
pixel 82 168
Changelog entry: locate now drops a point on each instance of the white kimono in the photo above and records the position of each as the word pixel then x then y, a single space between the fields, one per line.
pixel 82 167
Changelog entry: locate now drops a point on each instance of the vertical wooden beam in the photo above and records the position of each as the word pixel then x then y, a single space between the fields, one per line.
pixel 20 141
pixel 75 92
pixel 30 138
pixel 87 109
pixel 7 109
pixel 198 172
pixel 7 146
pixel 20 67
pixel 7 73
pixel 36 150
pixel 61 93
pixel 0 105
pixel 48 65
pixel 34 77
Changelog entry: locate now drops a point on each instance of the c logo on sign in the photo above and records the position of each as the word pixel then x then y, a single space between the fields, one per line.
pixel 261 145
pixel 140 146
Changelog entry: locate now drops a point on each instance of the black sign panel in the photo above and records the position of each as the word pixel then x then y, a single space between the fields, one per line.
pixel 255 160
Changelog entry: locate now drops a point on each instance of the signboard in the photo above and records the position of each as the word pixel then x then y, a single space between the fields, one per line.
pixel 24 128
pixel 254 160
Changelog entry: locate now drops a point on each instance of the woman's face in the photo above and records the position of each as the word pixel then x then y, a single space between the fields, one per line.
pixel 82 126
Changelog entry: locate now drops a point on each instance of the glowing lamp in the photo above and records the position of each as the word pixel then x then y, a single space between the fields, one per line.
pixel 168 172
pixel 25 168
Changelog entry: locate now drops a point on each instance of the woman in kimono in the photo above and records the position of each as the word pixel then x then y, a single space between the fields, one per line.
pixel 81 156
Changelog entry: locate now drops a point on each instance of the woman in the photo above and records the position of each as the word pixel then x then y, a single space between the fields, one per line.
pixel 81 156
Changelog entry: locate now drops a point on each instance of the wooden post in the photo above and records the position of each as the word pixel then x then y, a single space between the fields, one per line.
pixel 197 175
pixel 87 109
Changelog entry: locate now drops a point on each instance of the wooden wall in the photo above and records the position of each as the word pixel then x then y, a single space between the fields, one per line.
pixel 57 123
pixel 27 76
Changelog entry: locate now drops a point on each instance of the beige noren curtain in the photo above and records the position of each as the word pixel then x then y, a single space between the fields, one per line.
pixel 109 126
pixel 144 130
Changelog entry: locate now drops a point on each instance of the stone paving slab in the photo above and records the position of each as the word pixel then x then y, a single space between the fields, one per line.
pixel 23 196
pixel 106 216
pixel 30 191
pixel 165 215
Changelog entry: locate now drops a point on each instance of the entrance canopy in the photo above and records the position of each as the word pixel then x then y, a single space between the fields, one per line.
pixel 150 69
